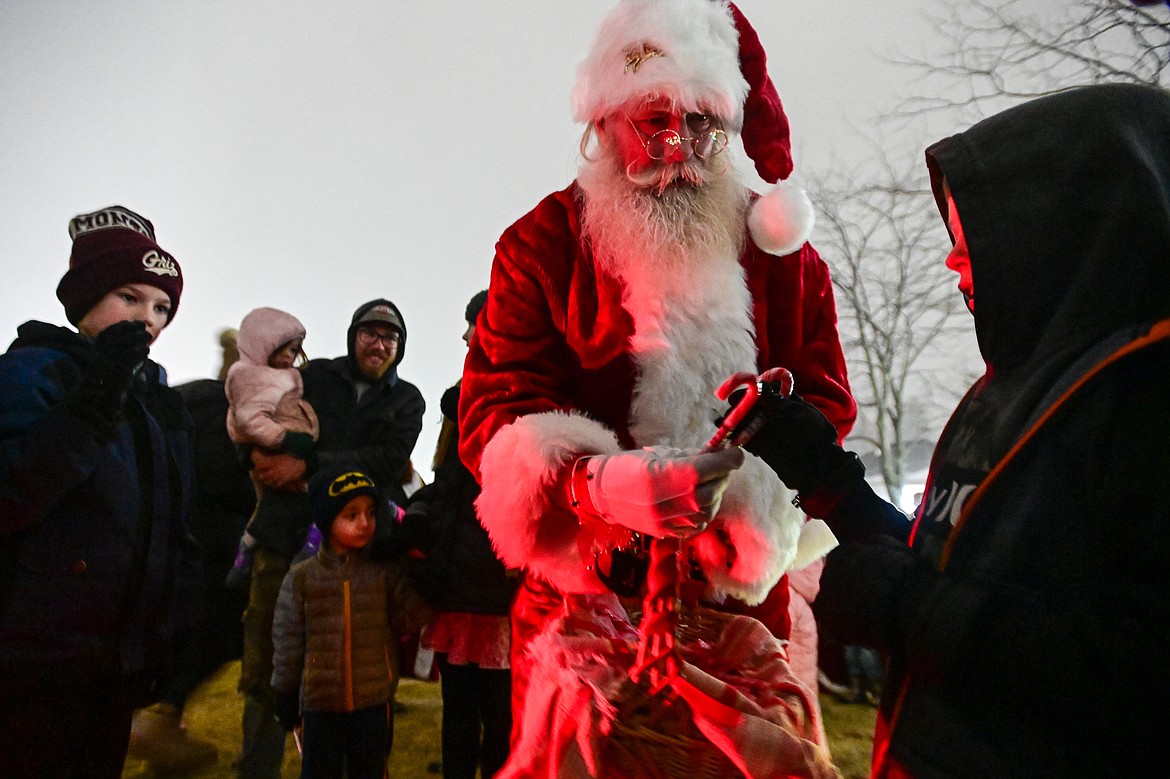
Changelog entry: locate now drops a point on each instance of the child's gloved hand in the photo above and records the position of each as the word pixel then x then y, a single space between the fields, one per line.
pixel 288 709
pixel 798 442
pixel 298 444
pixel 118 352
pixel 121 348
pixel 652 492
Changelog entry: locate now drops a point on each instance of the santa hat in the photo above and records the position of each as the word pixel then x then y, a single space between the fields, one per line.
pixel 702 55
pixel 113 247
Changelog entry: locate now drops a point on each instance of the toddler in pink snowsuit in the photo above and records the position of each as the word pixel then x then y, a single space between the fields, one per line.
pixel 266 409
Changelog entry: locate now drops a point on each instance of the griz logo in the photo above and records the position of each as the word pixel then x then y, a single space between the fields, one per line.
pixel 162 264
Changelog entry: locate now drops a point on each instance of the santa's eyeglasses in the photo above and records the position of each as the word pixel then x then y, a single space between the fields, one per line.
pixel 664 144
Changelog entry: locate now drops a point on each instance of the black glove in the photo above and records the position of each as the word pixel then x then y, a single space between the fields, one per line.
pixel 796 440
pixel 119 351
pixel 799 443
pixel 288 709
pixel 299 445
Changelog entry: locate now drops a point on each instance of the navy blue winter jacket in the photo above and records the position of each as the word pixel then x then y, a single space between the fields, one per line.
pixel 97 569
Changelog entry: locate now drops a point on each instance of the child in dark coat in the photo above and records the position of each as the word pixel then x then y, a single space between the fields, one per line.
pixel 98 572
pixel 335 634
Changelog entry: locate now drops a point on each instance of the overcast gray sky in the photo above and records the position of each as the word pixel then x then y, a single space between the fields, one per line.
pixel 312 156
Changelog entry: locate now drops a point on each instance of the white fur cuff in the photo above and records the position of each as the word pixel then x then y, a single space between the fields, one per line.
pixel 519 470
pixel 755 538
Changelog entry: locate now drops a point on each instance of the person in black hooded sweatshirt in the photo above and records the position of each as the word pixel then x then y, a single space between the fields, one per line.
pixel 1027 616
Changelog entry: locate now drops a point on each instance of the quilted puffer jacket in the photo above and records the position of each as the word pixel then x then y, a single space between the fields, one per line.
pixel 335 631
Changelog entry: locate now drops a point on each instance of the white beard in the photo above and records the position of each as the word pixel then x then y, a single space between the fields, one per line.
pixel 677 257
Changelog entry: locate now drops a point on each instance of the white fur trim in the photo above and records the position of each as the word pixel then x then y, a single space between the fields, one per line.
pixel 754 538
pixel 518 470
pixel 698 66
pixel 816 541
pixel 690 334
pixel 781 220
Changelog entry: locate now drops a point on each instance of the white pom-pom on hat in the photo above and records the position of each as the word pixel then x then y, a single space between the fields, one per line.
pixel 781 220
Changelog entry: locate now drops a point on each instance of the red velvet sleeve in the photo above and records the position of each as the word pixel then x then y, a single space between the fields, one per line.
pixel 516 361
pixel 796 328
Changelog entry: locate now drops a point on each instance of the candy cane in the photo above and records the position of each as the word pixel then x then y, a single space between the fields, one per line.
pixel 656 642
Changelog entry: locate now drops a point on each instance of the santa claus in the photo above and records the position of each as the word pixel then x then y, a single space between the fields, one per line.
pixel 618 305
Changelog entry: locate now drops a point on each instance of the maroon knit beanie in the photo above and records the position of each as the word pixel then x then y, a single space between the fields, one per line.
pixel 113 247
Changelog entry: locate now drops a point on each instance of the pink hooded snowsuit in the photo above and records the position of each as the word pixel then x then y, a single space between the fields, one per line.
pixel 264 402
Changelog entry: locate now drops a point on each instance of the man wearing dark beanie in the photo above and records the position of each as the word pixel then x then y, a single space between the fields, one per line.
pixel 370 419
pixel 99 570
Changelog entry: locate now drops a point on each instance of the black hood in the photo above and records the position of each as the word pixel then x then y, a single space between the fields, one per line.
pixel 400 325
pixel 1065 204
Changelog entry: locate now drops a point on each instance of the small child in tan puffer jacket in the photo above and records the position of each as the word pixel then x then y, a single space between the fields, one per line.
pixel 266 409
pixel 335 634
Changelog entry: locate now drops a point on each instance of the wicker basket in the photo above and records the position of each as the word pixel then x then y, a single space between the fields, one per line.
pixel 653 735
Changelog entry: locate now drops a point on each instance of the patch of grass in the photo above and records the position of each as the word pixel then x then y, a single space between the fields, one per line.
pixel 214 711
pixel 849 730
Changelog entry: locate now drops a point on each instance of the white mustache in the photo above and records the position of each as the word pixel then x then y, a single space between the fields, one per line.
pixel 660 177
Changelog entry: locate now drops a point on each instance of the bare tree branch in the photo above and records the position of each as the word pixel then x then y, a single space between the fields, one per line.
pixel 897 306
pixel 1011 50
pixel 881 234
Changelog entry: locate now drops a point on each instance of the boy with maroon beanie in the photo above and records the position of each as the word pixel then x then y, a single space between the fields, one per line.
pixel 95 481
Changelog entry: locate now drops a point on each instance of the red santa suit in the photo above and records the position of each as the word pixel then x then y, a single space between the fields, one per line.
pixel 554 370
pixel 588 347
